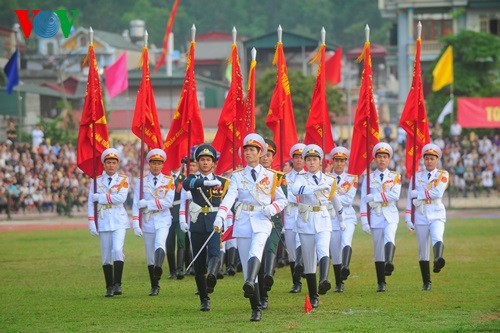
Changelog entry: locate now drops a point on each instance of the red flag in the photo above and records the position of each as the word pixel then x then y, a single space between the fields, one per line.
pixel 187 123
pixel 249 117
pixel 365 131
pixel 117 76
pixel 414 117
pixel 170 24
pixel 318 129
pixel 307 305
pixel 280 118
pixel 228 234
pixel 228 138
pixel 145 114
pixel 93 135
pixel 333 67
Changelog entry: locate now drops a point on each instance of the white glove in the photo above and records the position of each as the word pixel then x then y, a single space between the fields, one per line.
pixel 269 210
pixel 93 229
pixel 137 228
pixel 214 182
pixel 184 226
pixel 342 225
pixel 414 193
pixel 218 223
pixel 369 198
pixel 410 225
pixel 366 228
pixel 95 197
pixel 322 187
pixel 143 203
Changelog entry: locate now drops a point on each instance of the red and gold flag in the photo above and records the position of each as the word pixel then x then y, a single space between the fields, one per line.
pixel 333 67
pixel 93 135
pixel 186 127
pixel 170 24
pixel 248 125
pixel 365 131
pixel 145 123
pixel 228 137
pixel 280 117
pixel 318 129
pixel 414 117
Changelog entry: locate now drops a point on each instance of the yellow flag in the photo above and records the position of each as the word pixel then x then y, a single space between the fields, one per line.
pixel 443 72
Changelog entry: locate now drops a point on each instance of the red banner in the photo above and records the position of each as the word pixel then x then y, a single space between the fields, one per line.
pixel 479 112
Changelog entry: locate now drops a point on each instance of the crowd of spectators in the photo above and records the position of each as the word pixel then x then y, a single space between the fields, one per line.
pixel 45 178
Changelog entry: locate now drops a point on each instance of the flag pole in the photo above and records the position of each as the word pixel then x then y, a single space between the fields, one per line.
pixel 141 168
pixel 368 129
pixel 94 140
pixel 234 103
pixel 414 170
pixel 188 158
pixel 281 122
pixel 321 63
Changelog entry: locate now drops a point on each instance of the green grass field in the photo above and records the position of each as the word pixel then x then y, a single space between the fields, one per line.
pixel 52 281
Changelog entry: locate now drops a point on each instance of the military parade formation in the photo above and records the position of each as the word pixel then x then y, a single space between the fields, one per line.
pixel 254 210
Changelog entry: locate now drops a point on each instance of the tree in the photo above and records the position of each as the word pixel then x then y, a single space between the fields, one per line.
pixel 476 70
pixel 301 89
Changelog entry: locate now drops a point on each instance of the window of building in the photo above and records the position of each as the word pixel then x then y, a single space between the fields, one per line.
pixel 490 25
pixel 434 26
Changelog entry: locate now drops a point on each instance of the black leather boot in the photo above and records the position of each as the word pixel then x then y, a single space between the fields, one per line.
pixel 264 297
pixel 313 290
pixel 212 268
pixel 269 263
pixel 299 264
pixel 117 277
pixel 380 269
pixel 171 264
pixel 297 285
pixel 324 267
pixel 426 274
pixel 389 248
pixel 155 287
pixel 439 261
pixel 201 285
pixel 159 258
pixel 346 259
pixel 255 304
pixel 220 273
pixel 253 269
pixel 339 285
pixel 108 277
pixel 231 261
pixel 179 272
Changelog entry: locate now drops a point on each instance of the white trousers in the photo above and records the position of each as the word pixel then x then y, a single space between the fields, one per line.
pixel 313 247
pixel 336 247
pixel 292 242
pixel 382 236
pixel 425 234
pixel 112 246
pixel 249 247
pixel 347 234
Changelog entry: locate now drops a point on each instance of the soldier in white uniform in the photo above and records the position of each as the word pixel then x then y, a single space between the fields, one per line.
pixel 158 195
pixel 385 188
pixel 430 214
pixel 259 197
pixel 341 240
pixel 317 203
pixel 292 240
pixel 112 221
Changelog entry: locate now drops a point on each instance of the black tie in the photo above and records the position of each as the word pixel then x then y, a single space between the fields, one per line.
pixel 155 180
pixel 205 178
pixel 315 179
pixel 254 176
pixel 428 176
pixel 381 177
pixel 338 180
pixel 109 180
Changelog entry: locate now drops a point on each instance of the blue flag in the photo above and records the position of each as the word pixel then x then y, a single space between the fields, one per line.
pixel 12 72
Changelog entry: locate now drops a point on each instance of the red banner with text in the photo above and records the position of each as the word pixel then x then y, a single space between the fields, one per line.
pixel 479 112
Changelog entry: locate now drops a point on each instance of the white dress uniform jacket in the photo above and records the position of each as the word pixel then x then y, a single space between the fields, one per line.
pixel 313 205
pixel 112 194
pixel 386 194
pixel 159 199
pixel 346 191
pixel 428 204
pixel 291 210
pixel 253 196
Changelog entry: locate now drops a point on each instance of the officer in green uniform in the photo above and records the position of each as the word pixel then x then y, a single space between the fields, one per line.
pixel 266 273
